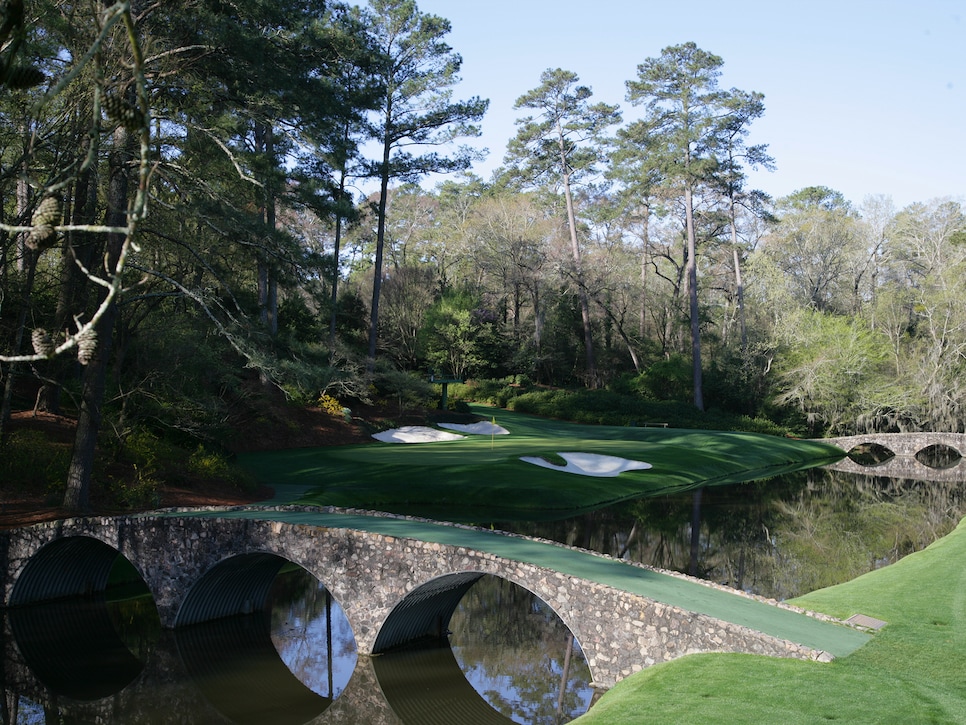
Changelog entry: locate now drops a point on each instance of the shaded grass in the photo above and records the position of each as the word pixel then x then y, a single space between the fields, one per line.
pixel 911 671
pixel 481 478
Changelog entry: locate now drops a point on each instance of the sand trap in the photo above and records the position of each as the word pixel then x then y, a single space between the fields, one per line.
pixel 590 464
pixel 484 427
pixel 415 434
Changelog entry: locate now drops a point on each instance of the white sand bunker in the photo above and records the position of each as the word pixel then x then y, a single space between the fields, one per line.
pixel 415 434
pixel 484 427
pixel 590 464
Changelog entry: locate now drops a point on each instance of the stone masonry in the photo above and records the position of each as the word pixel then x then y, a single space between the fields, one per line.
pixel 904 464
pixel 183 559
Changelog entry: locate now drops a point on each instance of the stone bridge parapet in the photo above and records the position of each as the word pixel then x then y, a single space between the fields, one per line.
pixel 904 464
pixel 389 587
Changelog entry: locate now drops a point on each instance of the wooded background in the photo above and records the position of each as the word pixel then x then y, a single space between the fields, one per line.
pixel 197 194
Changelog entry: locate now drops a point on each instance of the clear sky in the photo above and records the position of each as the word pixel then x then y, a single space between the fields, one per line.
pixel 863 96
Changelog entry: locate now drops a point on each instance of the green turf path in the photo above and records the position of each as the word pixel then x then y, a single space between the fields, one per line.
pixel 836 639
pixel 480 479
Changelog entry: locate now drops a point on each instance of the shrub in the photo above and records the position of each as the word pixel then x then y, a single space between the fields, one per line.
pixel 330 405
pixel 216 466
pixel 143 490
pixel 28 460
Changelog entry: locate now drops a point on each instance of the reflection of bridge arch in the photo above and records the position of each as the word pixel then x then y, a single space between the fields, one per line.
pixel 371 574
pixel 904 463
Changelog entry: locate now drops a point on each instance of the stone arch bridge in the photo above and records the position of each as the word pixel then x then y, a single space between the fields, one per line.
pixel 395 587
pixel 904 464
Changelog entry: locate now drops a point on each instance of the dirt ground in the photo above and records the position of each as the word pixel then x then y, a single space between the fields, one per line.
pixel 280 426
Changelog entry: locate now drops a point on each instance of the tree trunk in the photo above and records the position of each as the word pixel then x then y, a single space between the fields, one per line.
pixel 77 246
pixel 592 377
pixel 377 265
pixel 267 281
pixel 77 497
pixel 645 240
pixel 739 286
pixel 695 310
pixel 334 317
pixel 30 258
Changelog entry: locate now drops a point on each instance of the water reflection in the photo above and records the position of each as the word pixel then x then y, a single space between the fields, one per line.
pixel 108 660
pixel 519 655
pixel 508 658
pixel 778 538
pixel 76 651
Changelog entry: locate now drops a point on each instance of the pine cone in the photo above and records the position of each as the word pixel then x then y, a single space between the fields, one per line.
pixel 121 112
pixel 42 341
pixel 45 218
pixel 19 77
pixel 86 347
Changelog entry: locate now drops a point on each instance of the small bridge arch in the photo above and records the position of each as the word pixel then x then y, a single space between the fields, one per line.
pixel 390 588
pixel 904 464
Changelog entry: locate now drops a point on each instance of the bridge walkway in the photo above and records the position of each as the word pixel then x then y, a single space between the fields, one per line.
pixel 836 639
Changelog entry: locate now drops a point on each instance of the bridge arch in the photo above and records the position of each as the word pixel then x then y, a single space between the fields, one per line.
pixel 425 612
pixel 240 584
pixel 906 463
pixel 370 574
pixel 71 566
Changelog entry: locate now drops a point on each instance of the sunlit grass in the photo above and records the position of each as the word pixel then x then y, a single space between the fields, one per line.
pixel 911 671
pixel 481 478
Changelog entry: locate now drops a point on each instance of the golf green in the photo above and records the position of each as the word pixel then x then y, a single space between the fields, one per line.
pixel 483 478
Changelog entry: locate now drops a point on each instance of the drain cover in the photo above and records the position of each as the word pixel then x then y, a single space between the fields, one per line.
pixel 862 620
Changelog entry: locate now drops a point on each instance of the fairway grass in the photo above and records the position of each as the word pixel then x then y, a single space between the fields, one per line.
pixel 479 479
pixel 911 672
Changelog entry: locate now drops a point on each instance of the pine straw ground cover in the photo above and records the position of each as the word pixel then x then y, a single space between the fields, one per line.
pixel 911 672
pixel 480 479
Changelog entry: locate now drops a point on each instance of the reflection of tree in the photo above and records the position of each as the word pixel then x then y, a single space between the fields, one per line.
pixel 311 633
pixel 779 538
pixel 845 525
pixel 513 648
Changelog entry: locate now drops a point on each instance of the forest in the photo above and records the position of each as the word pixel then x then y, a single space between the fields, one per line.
pixel 200 199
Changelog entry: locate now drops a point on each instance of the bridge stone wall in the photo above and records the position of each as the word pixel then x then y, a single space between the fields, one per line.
pixel 902 444
pixel 369 575
pixel 904 464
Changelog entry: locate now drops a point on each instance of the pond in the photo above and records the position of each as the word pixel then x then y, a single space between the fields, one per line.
pixel 505 658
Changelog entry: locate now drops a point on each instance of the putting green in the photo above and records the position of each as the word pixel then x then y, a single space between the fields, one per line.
pixel 482 478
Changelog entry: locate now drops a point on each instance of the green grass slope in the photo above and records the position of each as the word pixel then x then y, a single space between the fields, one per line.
pixel 911 672
pixel 481 478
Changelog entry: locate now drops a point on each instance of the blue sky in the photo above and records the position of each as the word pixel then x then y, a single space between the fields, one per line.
pixel 863 96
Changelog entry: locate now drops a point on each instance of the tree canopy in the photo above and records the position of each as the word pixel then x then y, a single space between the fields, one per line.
pixel 200 200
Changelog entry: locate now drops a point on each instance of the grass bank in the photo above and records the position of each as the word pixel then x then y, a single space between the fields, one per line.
pixel 911 671
pixel 481 478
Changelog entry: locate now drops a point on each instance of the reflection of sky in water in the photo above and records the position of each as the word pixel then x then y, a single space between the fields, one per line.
pixel 511 647
pixel 29 713
pixel 495 687
pixel 299 635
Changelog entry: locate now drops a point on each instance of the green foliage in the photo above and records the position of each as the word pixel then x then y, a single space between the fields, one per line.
pixel 832 369
pixel 409 390
pixel 607 407
pixel 157 460
pixel 668 379
pixel 141 491
pixel 496 392
pixel 29 461
pixel 209 464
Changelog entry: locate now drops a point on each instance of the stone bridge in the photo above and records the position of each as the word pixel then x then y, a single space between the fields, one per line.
pixel 393 589
pixel 904 464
